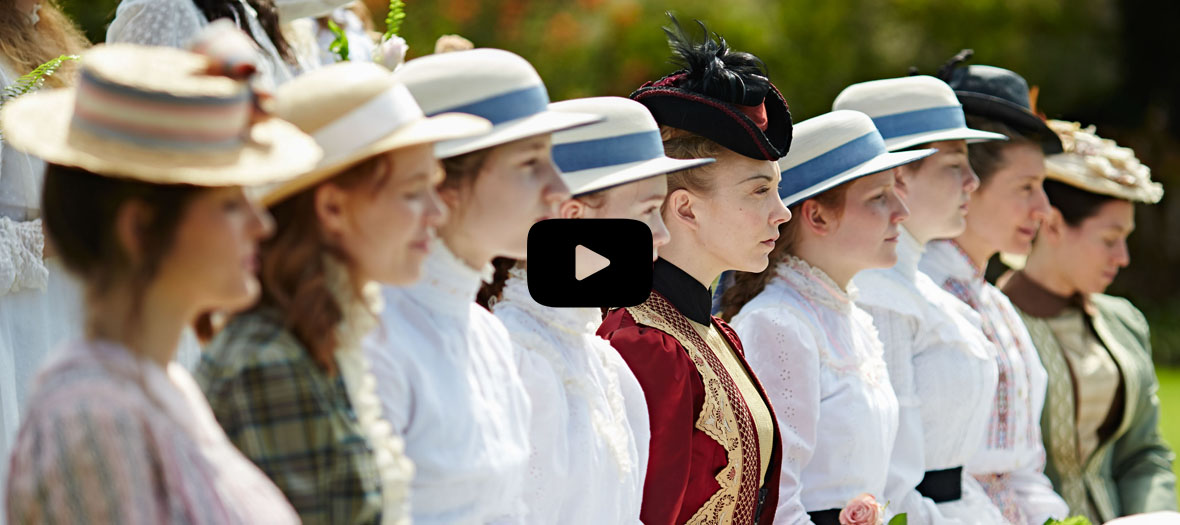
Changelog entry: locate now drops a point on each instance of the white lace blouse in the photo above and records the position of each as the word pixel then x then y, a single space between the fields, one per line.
pixel 819 359
pixel 1011 460
pixel 174 23
pixel 448 381
pixel 942 372
pixel 590 426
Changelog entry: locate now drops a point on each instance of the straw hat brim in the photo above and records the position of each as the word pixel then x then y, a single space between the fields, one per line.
pixel 39 124
pixel 882 162
pixel 598 179
pixel 513 130
pixel 970 135
pixel 425 131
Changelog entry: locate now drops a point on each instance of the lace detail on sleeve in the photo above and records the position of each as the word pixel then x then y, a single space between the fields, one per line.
pixel 169 23
pixel 21 266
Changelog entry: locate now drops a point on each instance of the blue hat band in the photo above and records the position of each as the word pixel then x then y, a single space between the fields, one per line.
pixel 608 151
pixel 920 121
pixel 836 161
pixel 508 106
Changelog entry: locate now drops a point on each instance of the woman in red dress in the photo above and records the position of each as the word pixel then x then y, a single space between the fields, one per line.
pixel 714 441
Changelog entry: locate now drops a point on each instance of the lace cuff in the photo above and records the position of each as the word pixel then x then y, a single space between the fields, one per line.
pixel 21 265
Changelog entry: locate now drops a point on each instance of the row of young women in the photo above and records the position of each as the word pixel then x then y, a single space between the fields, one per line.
pixel 362 402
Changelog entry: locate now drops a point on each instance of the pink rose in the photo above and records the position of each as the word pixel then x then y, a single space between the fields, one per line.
pixel 862 510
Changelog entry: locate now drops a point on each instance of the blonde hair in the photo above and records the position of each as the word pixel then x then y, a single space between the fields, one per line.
pixel 27 46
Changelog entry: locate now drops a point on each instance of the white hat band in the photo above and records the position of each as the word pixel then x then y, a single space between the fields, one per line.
pixel 364 125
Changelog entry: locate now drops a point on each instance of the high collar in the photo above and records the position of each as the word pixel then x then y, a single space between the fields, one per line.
pixel 909 252
pixel 577 321
pixel 815 284
pixel 448 284
pixel 688 295
pixel 944 259
pixel 1038 301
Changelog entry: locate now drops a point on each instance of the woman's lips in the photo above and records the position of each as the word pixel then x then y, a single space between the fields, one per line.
pixel 1027 232
pixel 770 242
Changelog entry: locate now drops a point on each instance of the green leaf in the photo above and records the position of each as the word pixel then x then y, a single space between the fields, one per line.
pixel 340 44
pixel 899 519
pixel 33 80
pixel 393 19
pixel 1073 520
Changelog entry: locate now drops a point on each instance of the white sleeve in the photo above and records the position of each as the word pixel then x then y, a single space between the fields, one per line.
pixel 783 354
pixel 167 23
pixel 1037 498
pixel 393 387
pixel 637 416
pixel 907 464
pixel 21 265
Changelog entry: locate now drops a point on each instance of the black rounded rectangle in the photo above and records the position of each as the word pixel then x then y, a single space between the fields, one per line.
pixel 625 244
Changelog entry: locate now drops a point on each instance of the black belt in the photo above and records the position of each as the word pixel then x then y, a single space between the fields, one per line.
pixel 942 486
pixel 825 517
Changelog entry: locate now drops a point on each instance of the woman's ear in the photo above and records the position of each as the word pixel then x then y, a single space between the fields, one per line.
pixel 131 222
pixel 1053 227
pixel 572 209
pixel 815 217
pixel 679 208
pixel 330 203
pixel 903 177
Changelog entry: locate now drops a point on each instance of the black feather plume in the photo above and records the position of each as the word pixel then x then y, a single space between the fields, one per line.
pixel 712 69
pixel 947 71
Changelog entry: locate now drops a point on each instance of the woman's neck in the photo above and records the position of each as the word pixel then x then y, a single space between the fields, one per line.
pixel 835 265
pixel 465 248
pixel 692 260
pixel 977 249
pixel 1042 270
pixel 151 331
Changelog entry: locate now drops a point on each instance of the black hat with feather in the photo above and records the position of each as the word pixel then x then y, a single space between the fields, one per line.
pixel 720 94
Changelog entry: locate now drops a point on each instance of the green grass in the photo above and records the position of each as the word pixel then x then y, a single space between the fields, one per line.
pixel 1170 406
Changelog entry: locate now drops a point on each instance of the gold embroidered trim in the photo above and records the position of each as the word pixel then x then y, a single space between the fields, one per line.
pixel 724 417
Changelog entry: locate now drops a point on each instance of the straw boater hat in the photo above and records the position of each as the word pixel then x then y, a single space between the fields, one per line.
pixel 998 94
pixel 720 94
pixel 157 115
pixel 911 111
pixel 625 147
pixel 835 148
pixel 1100 166
pixel 354 111
pixel 490 83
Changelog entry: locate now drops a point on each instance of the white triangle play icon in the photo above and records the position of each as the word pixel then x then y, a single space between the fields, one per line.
pixel 587 262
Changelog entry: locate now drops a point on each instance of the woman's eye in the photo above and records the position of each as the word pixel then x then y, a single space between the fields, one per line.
pixel 762 190
pixel 233 205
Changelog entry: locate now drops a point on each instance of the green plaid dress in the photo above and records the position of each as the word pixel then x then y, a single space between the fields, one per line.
pixel 291 419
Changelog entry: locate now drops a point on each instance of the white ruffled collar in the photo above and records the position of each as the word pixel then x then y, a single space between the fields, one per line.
pixel 944 259
pixel 573 321
pixel 360 317
pixel 448 284
pixel 815 284
pixel 909 252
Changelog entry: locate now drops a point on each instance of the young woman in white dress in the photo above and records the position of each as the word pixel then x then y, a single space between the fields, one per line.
pixel 1005 213
pixel 590 428
pixel 816 352
pixel 940 364
pixel 445 367
pixel 39 302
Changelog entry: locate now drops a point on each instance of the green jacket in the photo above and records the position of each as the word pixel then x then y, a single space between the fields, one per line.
pixel 1131 470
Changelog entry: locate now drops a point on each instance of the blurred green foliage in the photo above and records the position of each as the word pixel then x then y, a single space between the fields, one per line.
pixel 1113 63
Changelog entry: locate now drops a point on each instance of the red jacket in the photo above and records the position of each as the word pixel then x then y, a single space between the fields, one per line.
pixel 683 460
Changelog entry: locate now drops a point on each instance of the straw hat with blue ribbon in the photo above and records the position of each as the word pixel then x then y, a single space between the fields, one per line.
pixel 624 148
pixel 355 110
pixel 835 148
pixel 911 111
pixel 494 84
pixel 164 116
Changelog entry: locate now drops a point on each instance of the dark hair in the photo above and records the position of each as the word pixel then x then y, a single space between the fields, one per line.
pixel 748 285
pixel 79 213
pixel 1075 204
pixel 292 271
pixel 268 18
pixel 987 157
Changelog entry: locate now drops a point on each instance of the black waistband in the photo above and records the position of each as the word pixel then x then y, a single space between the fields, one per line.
pixel 825 517
pixel 942 485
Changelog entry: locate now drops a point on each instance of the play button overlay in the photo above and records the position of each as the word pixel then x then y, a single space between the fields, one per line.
pixel 589 262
